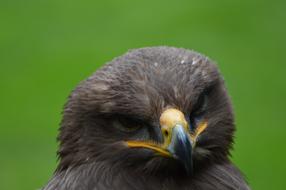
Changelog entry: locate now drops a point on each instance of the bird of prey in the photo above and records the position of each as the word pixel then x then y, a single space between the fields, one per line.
pixel 155 118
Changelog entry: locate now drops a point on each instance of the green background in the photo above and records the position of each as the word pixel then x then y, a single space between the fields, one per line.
pixel 48 46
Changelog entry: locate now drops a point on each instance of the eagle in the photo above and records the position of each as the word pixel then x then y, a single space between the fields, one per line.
pixel 155 118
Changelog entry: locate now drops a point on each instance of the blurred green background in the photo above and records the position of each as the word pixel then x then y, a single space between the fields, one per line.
pixel 48 46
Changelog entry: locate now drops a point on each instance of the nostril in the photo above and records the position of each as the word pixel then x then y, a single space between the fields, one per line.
pixel 166 133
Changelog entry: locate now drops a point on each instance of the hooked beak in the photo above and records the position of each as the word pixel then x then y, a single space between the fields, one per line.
pixel 178 142
pixel 180 147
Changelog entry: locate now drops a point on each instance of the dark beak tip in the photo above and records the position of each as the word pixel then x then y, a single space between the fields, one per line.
pixel 185 157
pixel 187 164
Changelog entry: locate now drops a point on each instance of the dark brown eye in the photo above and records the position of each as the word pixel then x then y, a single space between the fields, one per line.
pixel 126 124
pixel 201 105
pixel 198 111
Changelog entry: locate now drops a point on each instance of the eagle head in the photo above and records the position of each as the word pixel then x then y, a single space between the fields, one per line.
pixel 157 111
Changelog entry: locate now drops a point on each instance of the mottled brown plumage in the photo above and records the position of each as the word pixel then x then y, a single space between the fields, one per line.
pixel 123 101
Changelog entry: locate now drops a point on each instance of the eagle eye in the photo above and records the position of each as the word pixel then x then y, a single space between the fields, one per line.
pixel 199 110
pixel 126 124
